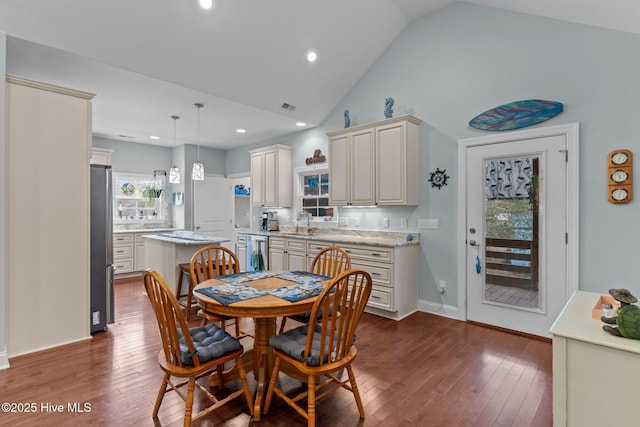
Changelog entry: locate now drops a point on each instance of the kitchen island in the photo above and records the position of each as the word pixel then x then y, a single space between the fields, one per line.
pixel 165 252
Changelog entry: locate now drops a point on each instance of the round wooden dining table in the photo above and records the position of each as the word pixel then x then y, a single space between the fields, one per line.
pixel 265 309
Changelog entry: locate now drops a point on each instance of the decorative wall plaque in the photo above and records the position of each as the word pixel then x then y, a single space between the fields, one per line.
pixel 318 157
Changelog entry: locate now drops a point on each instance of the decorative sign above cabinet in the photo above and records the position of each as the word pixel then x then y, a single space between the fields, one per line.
pixel 318 157
pixel 620 178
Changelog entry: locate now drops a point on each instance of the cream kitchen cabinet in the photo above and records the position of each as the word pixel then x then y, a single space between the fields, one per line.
pixel 271 176
pixel 128 251
pixel 351 168
pixel 287 254
pixel 375 164
pixel 123 253
pixel 394 271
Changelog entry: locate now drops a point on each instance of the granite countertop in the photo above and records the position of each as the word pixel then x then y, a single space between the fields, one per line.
pixel 186 240
pixel 144 230
pixel 359 237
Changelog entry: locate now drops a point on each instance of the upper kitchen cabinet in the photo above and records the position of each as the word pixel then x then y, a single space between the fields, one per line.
pixel 351 168
pixel 271 176
pixel 375 164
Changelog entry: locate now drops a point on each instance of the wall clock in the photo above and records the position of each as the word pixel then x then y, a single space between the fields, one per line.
pixel 620 178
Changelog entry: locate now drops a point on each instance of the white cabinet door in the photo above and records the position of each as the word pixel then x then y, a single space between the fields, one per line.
pixel 241 253
pixel 138 256
pixel 297 261
pixel 277 259
pixel 390 164
pixel 257 184
pixel 362 168
pixel 339 171
pixel 271 176
pixel 397 164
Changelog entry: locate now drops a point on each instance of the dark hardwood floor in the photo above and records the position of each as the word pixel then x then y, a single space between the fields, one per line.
pixel 425 370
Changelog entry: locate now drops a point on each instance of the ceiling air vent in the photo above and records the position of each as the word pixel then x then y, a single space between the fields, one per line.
pixel 288 106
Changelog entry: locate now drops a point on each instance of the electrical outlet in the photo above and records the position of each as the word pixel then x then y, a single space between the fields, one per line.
pixel 385 222
pixel 442 285
pixel 356 221
pixel 428 223
pixel 96 317
pixel 403 222
pixel 344 220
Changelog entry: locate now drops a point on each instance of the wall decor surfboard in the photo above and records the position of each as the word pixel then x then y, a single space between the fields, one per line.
pixel 516 115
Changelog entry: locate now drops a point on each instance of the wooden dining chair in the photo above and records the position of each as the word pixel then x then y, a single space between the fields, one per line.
pixel 330 261
pixel 191 353
pixel 207 263
pixel 324 348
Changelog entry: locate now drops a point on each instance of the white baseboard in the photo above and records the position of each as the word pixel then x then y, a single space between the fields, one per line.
pixel 34 350
pixel 4 358
pixel 438 308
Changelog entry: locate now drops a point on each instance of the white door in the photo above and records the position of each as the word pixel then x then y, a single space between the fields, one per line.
pixel 212 207
pixel 516 232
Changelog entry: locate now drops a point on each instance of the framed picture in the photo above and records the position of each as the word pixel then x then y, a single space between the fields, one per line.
pixel 178 198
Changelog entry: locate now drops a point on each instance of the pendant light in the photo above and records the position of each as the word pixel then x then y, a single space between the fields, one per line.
pixel 197 174
pixel 174 172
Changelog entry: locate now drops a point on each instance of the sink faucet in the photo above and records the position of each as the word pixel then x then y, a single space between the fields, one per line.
pixel 303 214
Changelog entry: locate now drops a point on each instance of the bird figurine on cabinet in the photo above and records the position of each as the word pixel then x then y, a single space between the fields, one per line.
pixel 347 120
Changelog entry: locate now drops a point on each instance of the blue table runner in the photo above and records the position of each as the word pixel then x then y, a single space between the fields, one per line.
pixel 234 290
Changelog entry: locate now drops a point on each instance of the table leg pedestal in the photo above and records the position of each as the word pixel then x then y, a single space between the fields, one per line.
pixel 263 359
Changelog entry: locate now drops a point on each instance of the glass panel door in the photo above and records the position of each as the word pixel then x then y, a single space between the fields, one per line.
pixel 511 231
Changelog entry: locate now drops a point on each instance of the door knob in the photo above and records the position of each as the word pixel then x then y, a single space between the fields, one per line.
pixel 473 243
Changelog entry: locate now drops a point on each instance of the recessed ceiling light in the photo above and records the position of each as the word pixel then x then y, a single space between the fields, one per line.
pixel 241 130
pixel 206 4
pixel 312 55
pixel 301 124
pixel 154 137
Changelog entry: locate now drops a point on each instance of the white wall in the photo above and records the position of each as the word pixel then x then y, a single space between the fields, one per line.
pixel 4 358
pixel 451 65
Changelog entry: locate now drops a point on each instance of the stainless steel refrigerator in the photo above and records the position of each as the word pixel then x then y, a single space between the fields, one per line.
pixel 102 310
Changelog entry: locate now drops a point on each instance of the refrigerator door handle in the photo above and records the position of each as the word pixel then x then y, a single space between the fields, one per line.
pixel 110 293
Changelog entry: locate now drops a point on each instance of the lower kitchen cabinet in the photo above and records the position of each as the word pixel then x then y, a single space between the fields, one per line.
pixel 287 254
pixel 393 269
pixel 123 253
pixel 128 251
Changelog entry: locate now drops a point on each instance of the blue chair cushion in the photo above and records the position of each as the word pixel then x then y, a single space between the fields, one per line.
pixel 210 342
pixel 293 341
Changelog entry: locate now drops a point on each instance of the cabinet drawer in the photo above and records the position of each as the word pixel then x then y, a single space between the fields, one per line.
pixel 122 238
pixel 276 242
pixel 241 240
pixel 370 253
pixel 296 245
pixel 123 266
pixel 140 238
pixel 381 275
pixel 122 251
pixel 381 298
pixel 317 246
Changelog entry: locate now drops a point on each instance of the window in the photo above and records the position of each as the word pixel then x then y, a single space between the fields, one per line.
pixel 314 194
pixel 139 197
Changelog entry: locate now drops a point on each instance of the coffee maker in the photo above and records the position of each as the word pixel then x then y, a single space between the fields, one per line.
pixel 269 221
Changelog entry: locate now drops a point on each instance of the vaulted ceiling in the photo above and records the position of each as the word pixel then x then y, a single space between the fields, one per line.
pixel 147 60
